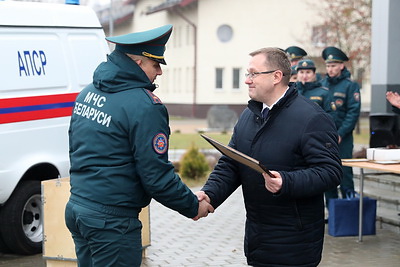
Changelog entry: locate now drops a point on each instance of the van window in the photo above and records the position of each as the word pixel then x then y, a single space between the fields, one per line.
pixel 90 48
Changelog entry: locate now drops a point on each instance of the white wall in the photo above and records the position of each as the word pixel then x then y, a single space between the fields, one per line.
pixel 255 24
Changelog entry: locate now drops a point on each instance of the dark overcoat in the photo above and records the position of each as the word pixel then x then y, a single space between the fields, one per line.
pixel 299 140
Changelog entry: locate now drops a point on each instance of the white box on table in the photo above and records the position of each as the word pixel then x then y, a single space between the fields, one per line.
pixel 382 153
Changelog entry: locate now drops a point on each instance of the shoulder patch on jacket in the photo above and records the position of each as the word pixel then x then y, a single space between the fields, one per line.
pixel 356 97
pixel 153 97
pixel 160 143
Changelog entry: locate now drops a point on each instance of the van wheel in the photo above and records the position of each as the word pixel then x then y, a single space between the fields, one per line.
pixel 21 219
pixel 3 247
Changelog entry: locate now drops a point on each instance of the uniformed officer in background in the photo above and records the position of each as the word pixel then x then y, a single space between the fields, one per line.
pixel 293 74
pixel 345 95
pixel 308 86
pixel 119 163
pixel 295 54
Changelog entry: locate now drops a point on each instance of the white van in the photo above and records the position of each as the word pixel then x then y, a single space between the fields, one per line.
pixel 48 53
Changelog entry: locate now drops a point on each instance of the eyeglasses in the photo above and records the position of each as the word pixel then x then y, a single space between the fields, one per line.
pixel 252 75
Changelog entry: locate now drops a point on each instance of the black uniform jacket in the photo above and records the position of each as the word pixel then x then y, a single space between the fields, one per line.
pixel 299 140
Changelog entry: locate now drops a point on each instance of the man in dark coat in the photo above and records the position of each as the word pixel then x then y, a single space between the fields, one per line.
pixel 297 141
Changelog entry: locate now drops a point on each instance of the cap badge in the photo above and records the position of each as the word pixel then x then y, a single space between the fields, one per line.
pixel 330 57
pixel 304 64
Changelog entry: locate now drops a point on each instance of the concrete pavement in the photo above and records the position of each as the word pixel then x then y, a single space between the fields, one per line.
pixel 216 240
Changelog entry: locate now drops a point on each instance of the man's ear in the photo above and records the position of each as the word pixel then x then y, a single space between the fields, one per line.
pixel 278 75
pixel 137 59
pixel 139 62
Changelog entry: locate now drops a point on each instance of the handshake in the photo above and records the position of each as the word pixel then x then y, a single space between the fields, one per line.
pixel 204 205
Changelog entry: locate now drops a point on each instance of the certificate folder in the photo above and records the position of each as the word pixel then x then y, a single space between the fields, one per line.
pixel 238 156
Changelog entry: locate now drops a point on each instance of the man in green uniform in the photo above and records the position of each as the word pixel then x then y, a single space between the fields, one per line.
pixel 118 135
pixel 293 74
pixel 345 95
pixel 308 86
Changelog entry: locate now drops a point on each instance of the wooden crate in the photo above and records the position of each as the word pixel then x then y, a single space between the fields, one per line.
pixel 58 246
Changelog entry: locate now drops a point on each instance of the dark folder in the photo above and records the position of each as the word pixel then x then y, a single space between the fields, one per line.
pixel 238 156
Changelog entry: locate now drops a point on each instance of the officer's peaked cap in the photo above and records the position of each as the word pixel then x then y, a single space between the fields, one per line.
pixel 333 54
pixel 293 70
pixel 295 52
pixel 150 44
pixel 306 64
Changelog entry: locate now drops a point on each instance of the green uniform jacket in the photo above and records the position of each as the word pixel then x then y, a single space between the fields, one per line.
pixel 119 135
pixel 316 93
pixel 346 98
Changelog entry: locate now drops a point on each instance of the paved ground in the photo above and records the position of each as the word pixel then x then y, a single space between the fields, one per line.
pixel 218 241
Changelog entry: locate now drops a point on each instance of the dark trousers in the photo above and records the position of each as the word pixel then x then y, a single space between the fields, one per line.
pixel 347 183
pixel 102 239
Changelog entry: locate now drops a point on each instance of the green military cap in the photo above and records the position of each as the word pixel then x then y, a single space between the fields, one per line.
pixel 295 52
pixel 150 44
pixel 332 54
pixel 306 64
pixel 293 70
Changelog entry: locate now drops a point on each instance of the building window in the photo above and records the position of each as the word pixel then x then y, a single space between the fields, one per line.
pixel 236 78
pixel 218 77
pixel 319 36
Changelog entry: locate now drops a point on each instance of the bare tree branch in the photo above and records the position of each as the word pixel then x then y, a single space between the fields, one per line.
pixel 348 25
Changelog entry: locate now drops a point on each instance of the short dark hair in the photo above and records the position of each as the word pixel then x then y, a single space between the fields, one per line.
pixel 276 59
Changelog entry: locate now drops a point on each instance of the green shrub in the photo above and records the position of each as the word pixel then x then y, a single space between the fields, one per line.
pixel 193 164
pixel 177 165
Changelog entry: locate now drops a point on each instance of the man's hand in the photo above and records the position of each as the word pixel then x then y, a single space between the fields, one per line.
pixel 201 195
pixel 273 185
pixel 204 205
pixel 393 98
